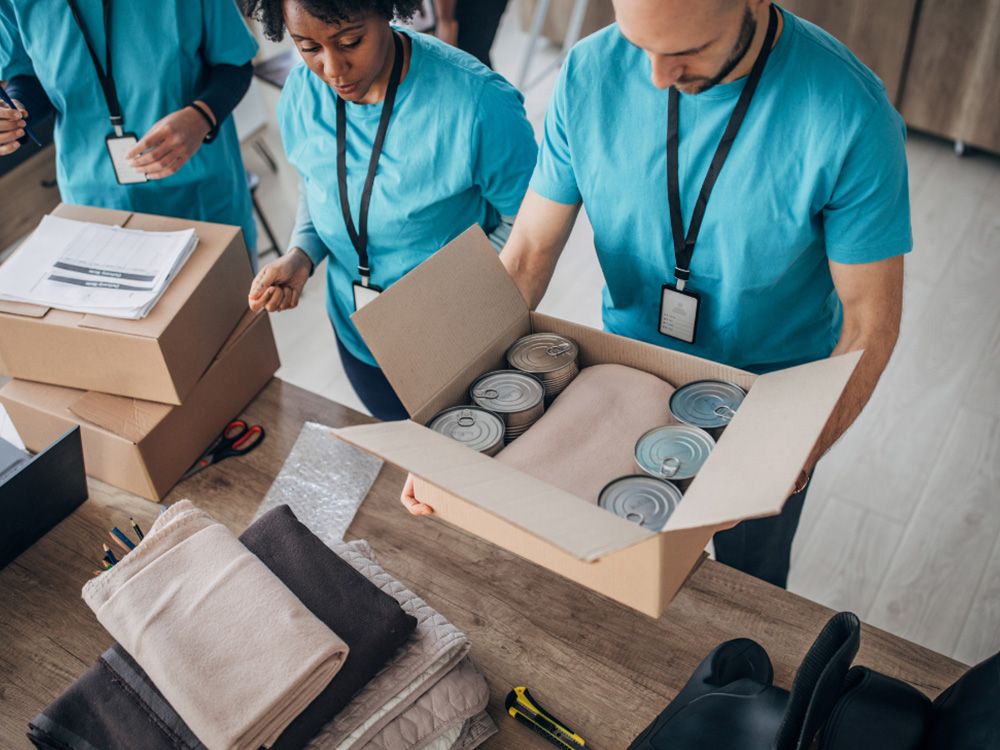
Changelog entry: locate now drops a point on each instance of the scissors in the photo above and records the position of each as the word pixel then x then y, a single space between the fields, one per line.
pixel 238 439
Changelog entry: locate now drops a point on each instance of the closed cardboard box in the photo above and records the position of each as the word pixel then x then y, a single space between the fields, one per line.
pixel 143 446
pixel 453 318
pixel 158 358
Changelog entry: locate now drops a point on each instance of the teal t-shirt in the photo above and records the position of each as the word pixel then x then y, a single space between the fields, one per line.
pixel 816 174
pixel 459 151
pixel 159 50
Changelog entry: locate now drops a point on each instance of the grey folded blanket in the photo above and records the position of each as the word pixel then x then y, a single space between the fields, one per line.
pixel 400 703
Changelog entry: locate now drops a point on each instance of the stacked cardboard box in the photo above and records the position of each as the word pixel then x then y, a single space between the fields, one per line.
pixel 149 395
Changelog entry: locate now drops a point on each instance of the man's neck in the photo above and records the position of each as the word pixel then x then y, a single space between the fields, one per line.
pixel 746 64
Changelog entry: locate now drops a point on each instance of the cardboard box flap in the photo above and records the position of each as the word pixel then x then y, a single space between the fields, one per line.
pixel 425 328
pixel 762 451
pixel 108 216
pixel 129 417
pixel 581 529
pixel 24 309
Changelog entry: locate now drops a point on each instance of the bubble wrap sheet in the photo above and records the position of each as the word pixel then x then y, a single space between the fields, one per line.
pixel 324 480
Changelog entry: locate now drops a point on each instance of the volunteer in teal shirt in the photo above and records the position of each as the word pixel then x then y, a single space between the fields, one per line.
pixel 164 55
pixel 799 253
pixel 458 151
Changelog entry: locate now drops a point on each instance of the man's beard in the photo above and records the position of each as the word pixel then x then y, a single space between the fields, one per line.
pixel 747 31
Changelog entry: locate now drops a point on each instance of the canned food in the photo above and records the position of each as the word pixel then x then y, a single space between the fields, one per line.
pixel 550 357
pixel 647 501
pixel 516 397
pixel 708 404
pixel 675 451
pixel 475 428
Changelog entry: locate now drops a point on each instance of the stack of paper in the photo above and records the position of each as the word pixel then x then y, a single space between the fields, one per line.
pixel 94 268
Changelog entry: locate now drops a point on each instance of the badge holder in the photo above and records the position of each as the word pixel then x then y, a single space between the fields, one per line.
pixel 679 312
pixel 119 145
pixel 364 293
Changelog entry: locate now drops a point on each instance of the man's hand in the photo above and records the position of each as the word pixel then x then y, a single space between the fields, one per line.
pixel 279 284
pixel 410 502
pixel 170 143
pixel 12 124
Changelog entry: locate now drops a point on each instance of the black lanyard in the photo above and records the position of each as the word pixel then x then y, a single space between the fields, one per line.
pixel 684 247
pixel 104 74
pixel 360 239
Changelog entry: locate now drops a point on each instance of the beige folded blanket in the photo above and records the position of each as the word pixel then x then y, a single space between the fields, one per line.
pixel 587 437
pixel 235 653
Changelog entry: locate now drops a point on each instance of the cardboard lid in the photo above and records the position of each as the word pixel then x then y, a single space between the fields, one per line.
pixel 758 459
pixel 578 527
pixel 410 327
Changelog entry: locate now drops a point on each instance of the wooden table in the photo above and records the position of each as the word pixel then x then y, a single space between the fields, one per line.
pixel 604 669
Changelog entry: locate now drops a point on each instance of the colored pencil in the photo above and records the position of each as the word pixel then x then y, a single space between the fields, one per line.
pixel 119 536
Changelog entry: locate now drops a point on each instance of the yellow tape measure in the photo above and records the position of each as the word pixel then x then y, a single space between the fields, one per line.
pixel 529 712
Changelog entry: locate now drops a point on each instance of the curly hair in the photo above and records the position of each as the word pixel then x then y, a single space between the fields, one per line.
pixel 269 12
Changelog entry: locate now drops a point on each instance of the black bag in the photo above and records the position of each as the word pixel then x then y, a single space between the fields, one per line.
pixel 730 702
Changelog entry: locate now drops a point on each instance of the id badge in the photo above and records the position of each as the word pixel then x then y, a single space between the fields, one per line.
pixel 364 294
pixel 118 146
pixel 679 314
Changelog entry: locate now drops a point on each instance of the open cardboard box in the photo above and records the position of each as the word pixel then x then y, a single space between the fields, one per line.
pixel 143 446
pixel 158 358
pixel 453 318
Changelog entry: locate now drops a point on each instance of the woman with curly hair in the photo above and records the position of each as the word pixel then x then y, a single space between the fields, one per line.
pixel 402 143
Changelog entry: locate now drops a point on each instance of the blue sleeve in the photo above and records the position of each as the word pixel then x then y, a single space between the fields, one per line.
pixel 14 60
pixel 554 177
pixel 304 234
pixel 868 216
pixel 226 40
pixel 504 145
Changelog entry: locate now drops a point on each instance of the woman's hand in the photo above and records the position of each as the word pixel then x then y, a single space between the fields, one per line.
pixel 279 284
pixel 410 501
pixel 170 143
pixel 12 124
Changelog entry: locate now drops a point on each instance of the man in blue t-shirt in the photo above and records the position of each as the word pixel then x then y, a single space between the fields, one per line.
pixel 799 251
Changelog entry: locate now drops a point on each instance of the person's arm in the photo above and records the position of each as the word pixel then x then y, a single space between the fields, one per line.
pixel 28 92
pixel 225 86
pixel 278 286
pixel 872 297
pixel 536 242
pixel 446 26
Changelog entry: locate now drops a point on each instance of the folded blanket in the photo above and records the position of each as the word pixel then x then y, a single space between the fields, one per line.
pixel 435 647
pixel 441 713
pixel 587 436
pixel 114 705
pixel 190 604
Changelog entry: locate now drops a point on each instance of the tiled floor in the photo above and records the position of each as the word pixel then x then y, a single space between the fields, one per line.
pixel 903 520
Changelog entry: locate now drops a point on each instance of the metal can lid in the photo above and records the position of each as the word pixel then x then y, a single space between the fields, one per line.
pixel 674 451
pixel 647 501
pixel 507 391
pixel 706 403
pixel 542 352
pixel 473 427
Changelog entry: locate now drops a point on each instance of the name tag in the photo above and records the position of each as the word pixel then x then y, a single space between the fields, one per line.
pixel 118 146
pixel 679 314
pixel 364 294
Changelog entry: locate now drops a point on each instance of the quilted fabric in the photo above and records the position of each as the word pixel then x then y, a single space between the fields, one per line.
pixel 434 649
pixel 459 695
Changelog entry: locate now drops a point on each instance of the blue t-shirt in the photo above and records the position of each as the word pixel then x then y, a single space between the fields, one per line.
pixel 817 173
pixel 459 151
pixel 160 51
